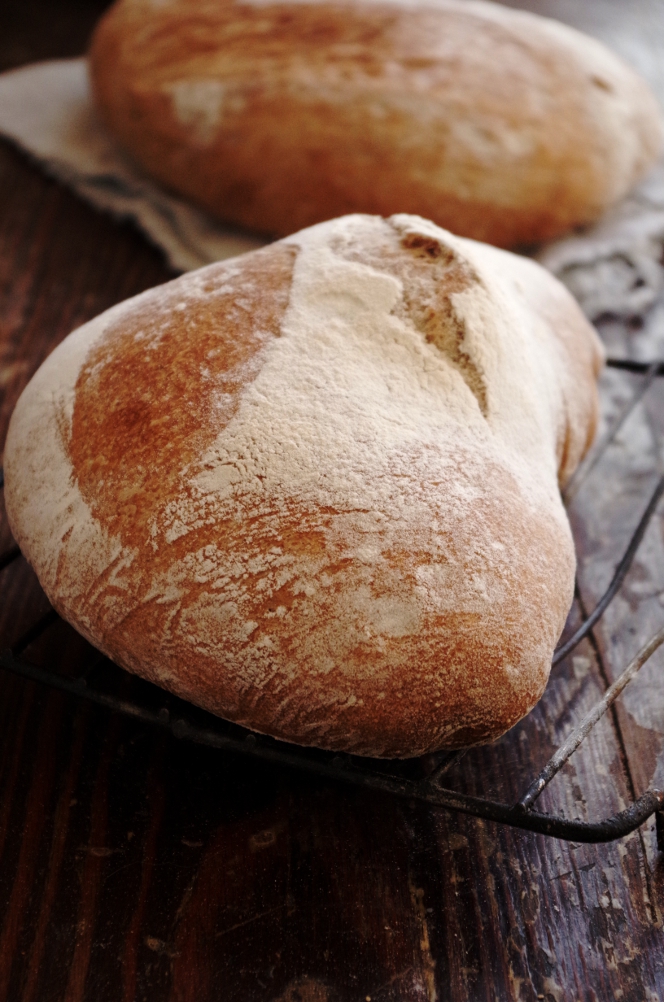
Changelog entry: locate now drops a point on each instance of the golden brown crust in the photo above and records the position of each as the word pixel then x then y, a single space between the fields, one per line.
pixel 170 374
pixel 313 489
pixel 496 124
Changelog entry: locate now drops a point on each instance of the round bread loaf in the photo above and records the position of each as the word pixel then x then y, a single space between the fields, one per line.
pixel 314 489
pixel 498 124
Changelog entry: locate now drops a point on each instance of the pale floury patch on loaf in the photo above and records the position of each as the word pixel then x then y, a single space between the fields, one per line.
pixel 199 103
pixel 350 535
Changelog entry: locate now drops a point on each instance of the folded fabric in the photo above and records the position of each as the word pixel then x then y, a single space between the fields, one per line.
pixel 46 109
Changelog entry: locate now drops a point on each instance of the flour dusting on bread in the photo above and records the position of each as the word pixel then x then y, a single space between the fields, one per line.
pixel 314 488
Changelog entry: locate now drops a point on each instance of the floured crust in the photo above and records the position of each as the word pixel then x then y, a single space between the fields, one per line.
pixel 314 488
pixel 497 124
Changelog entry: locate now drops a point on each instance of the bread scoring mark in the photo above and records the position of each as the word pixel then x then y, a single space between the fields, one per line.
pixel 432 309
pixel 431 274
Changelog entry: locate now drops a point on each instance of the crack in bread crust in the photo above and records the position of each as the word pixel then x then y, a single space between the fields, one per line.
pixel 431 273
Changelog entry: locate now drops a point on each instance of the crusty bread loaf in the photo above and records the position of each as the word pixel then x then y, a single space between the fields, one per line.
pixel 314 489
pixel 498 124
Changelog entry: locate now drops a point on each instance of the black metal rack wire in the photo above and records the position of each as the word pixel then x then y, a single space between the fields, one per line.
pixel 420 780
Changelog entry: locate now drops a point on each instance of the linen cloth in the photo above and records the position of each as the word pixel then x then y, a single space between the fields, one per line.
pixel 47 110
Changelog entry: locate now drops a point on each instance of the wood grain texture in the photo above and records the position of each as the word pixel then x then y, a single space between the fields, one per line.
pixel 134 867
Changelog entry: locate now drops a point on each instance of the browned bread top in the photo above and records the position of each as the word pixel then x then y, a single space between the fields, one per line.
pixel 498 124
pixel 314 488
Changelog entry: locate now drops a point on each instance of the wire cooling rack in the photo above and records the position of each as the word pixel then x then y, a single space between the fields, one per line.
pixel 420 779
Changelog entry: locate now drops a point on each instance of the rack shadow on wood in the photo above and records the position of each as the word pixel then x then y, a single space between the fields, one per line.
pixel 419 779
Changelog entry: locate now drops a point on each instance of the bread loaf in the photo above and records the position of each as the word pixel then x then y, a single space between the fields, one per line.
pixel 314 489
pixel 497 124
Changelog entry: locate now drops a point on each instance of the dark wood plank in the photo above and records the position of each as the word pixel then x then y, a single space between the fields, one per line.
pixel 605 512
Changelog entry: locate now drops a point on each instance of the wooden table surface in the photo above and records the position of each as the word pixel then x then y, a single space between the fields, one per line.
pixel 136 867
